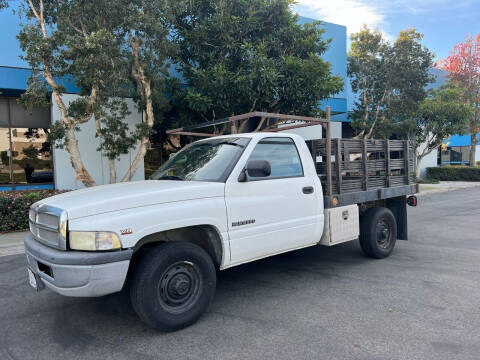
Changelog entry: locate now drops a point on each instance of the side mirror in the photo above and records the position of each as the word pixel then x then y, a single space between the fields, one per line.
pixel 255 168
pixel 258 168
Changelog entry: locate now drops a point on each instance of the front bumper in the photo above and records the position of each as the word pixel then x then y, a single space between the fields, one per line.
pixel 78 273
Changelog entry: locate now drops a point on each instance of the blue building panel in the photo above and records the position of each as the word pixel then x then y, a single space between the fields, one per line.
pixel 336 55
pixel 460 140
pixel 14 81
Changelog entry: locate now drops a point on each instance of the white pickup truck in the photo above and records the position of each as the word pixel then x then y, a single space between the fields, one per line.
pixel 218 203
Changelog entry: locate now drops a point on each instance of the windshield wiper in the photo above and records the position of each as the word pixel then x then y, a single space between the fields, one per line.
pixel 170 177
pixel 229 143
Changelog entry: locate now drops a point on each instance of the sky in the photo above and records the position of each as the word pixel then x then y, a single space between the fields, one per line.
pixel 444 23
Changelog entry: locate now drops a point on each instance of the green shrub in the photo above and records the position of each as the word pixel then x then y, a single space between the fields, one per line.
pixel 428 181
pixel 14 208
pixel 454 173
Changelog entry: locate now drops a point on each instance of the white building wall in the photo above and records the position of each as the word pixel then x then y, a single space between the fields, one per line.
pixel 315 131
pixel 95 163
pixel 431 160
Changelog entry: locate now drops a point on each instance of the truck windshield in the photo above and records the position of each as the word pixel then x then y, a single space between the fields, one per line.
pixel 207 160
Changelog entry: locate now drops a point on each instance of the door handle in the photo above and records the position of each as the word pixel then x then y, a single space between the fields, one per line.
pixel 308 190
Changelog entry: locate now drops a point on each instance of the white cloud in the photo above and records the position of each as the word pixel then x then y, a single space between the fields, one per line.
pixel 351 13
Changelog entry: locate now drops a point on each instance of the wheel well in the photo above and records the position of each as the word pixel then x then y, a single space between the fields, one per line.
pixel 205 236
pixel 398 206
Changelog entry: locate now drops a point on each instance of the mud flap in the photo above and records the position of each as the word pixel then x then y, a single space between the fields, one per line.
pixel 398 206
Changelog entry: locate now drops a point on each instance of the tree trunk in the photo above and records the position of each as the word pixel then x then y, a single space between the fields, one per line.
pixel 72 143
pixel 76 160
pixel 145 89
pixel 417 169
pixel 113 171
pixel 142 150
pixel 473 149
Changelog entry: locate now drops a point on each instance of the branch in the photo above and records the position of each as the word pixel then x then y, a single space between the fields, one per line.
pixel 260 124
pixel 275 103
pixel 46 68
pixel 365 103
pixel 253 105
pixel 92 99
pixel 377 112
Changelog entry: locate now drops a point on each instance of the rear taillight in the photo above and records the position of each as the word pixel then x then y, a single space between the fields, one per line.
pixel 412 201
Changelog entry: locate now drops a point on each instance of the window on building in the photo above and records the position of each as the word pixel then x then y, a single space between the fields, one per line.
pixel 25 154
pixel 5 175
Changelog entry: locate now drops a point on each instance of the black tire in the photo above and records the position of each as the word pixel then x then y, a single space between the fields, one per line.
pixel 378 232
pixel 173 285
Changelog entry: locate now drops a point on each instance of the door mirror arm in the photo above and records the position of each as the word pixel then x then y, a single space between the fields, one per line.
pixel 243 176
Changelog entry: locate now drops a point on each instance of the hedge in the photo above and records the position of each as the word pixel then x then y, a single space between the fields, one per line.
pixel 14 208
pixel 454 173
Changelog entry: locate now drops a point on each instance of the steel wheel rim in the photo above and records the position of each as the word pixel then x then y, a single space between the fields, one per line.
pixel 383 232
pixel 179 287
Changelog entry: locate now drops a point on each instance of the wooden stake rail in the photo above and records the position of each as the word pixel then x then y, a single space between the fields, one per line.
pixel 361 165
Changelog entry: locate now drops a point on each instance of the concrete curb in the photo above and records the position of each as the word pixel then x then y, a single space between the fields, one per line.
pixel 440 188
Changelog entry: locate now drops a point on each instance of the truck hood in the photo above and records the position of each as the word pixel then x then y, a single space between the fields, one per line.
pixel 116 197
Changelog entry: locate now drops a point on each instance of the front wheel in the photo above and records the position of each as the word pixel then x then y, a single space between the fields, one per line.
pixel 378 232
pixel 173 285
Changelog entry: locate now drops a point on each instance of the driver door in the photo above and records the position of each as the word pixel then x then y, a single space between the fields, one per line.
pixel 275 213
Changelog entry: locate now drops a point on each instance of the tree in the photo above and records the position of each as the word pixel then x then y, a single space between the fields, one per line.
pixel 441 115
pixel 148 51
pixel 31 152
pixel 64 38
pixel 463 66
pixel 388 80
pixel 77 39
pixel 242 56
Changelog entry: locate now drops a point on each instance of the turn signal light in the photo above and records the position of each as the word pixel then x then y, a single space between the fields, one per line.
pixel 412 201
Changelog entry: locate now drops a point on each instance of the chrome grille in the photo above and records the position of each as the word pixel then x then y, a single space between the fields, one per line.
pixel 44 225
pixel 48 219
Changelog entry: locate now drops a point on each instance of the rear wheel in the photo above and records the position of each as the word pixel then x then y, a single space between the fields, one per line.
pixel 173 285
pixel 378 232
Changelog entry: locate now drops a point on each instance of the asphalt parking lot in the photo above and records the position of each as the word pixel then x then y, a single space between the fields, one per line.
pixel 319 303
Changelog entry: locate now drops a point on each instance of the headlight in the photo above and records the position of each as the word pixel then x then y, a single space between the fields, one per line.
pixel 94 240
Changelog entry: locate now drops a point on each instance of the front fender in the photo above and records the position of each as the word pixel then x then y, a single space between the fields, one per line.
pixel 136 223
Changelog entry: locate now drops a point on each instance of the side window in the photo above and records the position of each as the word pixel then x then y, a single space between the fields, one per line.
pixel 282 155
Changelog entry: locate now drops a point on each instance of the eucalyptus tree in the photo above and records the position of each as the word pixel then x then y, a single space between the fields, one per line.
pixel 71 39
pixel 148 52
pixel 108 49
